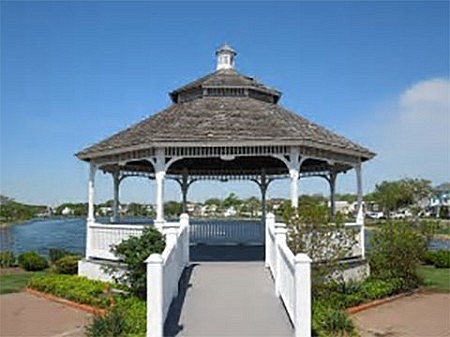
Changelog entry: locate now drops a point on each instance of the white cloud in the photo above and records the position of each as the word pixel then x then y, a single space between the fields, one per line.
pixel 413 138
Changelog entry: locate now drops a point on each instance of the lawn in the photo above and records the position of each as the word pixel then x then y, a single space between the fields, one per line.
pixel 12 283
pixel 435 278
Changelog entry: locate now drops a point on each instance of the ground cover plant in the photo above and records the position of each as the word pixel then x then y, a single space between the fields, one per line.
pixel 126 314
pixel 74 288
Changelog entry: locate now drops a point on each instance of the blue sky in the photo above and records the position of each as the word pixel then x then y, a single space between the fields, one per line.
pixel 73 73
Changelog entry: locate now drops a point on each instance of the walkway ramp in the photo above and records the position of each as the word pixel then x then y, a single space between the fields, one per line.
pixel 227 299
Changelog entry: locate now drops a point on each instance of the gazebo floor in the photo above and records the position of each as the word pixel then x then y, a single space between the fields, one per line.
pixel 227 299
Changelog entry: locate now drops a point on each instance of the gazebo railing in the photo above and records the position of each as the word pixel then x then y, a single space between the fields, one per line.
pixel 101 237
pixel 222 232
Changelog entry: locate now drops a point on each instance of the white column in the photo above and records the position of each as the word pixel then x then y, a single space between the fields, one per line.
pixel 360 214
pixel 116 182
pixel 359 186
pixel 302 296
pixel 294 173
pixel 91 192
pixel 160 173
pixel 155 315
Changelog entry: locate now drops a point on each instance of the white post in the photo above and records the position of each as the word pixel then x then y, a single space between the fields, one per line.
pixel 91 192
pixel 116 182
pixel 155 315
pixel 280 238
pixel 184 222
pixel 171 230
pixel 294 173
pixel 360 215
pixel 302 321
pixel 160 173
pixel 270 222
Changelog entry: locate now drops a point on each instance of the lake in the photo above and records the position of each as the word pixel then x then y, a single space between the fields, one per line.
pixel 70 234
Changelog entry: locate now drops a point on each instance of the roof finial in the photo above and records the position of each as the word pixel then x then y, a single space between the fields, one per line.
pixel 225 57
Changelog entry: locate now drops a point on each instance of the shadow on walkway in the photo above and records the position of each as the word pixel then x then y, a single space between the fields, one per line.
pixel 230 253
pixel 206 253
pixel 172 326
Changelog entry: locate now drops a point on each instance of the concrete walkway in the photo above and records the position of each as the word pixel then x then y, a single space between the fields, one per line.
pixel 419 315
pixel 22 314
pixel 228 299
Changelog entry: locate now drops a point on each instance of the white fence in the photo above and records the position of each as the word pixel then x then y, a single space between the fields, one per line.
pixel 100 238
pixel 163 274
pixel 292 276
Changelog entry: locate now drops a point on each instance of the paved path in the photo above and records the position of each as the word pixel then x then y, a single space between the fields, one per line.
pixel 22 314
pixel 420 315
pixel 228 299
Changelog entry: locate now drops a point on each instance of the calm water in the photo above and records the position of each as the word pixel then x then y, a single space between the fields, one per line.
pixel 70 234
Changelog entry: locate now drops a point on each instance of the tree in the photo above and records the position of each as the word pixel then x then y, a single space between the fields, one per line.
pixel 231 200
pixel 392 195
pixel 311 232
pixel 213 201
pixel 173 208
pixel 315 199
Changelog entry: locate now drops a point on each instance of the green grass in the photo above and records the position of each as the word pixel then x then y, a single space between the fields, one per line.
pixel 13 283
pixel 435 278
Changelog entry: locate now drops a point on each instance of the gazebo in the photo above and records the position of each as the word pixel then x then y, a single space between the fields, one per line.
pixel 223 126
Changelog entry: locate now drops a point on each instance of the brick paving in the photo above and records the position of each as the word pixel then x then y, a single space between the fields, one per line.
pixel 25 315
pixel 418 315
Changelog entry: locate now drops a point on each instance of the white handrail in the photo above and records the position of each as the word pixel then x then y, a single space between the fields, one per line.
pixel 163 274
pixel 292 276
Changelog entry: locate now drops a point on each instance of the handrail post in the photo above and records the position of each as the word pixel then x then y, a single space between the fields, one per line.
pixel 184 222
pixel 270 222
pixel 155 300
pixel 302 309
pixel 280 239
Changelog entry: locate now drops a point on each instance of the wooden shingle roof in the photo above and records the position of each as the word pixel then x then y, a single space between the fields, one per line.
pixel 243 111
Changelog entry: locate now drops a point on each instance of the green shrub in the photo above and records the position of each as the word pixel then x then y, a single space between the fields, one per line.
pixel 133 252
pixel 441 259
pixel 7 259
pixel 110 325
pixel 67 265
pixel 74 288
pixel 396 250
pixel 329 321
pixel 428 257
pixel 32 261
pixel 126 318
pixel 55 254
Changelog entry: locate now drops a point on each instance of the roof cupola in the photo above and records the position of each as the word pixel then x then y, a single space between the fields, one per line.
pixel 225 57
